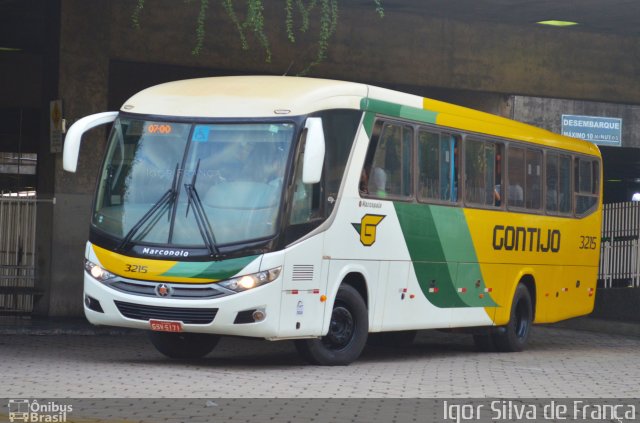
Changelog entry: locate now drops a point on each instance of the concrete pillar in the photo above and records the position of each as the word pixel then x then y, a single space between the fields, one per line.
pixel 46 160
pixel 84 64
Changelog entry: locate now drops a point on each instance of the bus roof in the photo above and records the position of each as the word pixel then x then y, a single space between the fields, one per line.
pixel 246 96
pixel 268 96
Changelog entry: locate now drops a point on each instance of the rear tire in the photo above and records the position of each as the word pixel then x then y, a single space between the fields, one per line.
pixel 513 337
pixel 347 332
pixel 183 345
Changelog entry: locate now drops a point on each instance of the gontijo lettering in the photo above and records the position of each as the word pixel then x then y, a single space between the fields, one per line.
pixel 521 238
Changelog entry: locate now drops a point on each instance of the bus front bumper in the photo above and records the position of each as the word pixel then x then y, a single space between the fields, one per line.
pixel 228 315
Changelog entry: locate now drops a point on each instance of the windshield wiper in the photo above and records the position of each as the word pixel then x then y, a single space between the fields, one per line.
pixel 163 203
pixel 201 217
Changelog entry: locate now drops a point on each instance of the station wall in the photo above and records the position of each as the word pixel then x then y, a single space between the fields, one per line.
pixel 473 64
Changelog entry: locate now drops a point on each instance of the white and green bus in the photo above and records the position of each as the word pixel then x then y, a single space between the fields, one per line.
pixel 327 212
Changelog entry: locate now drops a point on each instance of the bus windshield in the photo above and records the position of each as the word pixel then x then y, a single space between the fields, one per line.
pixel 192 185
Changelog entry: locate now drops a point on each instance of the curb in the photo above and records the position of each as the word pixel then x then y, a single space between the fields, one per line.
pixel 591 324
pixel 59 326
pixel 81 327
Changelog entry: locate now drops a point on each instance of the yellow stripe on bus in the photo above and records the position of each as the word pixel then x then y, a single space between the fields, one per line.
pixel 139 268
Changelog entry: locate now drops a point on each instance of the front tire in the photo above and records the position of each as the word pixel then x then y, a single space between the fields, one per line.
pixel 513 337
pixel 183 345
pixel 347 334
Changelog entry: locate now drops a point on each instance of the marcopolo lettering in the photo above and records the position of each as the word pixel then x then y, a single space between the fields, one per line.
pixel 521 238
pixel 164 253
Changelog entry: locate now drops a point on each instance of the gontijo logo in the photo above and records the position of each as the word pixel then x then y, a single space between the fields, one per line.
pixel 367 228
pixel 24 410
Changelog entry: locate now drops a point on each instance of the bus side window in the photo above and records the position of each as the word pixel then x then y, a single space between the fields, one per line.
pixel 387 169
pixel 483 172
pixel 587 178
pixel 552 180
pixel 303 208
pixel 311 203
pixel 533 188
pixel 437 171
pixel 564 189
pixel 515 174
pixel 558 183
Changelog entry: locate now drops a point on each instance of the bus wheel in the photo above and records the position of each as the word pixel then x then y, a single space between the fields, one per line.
pixel 347 332
pixel 183 345
pixel 513 337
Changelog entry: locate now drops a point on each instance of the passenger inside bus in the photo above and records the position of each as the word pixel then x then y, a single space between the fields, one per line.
pixel 375 184
pixel 378 182
pixel 516 195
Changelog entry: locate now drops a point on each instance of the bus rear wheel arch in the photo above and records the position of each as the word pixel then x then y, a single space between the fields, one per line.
pixel 514 335
pixel 347 335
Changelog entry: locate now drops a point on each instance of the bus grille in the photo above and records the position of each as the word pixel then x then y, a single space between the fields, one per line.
pixel 194 292
pixel 196 316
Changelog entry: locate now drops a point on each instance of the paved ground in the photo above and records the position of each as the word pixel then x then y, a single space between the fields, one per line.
pixel 558 363
pixel 115 376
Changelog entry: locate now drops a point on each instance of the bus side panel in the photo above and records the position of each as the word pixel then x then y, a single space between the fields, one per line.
pixel 554 252
pixel 473 288
pixel 571 295
pixel 412 308
pixel 405 306
pixel 547 283
pixel 390 294
pixel 498 282
pixel 368 235
pixel 304 282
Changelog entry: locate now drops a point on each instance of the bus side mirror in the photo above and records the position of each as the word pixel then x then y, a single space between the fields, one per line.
pixel 313 151
pixel 74 136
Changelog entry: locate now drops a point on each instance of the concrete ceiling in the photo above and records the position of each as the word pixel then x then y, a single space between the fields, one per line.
pixel 22 21
pixel 22 25
pixel 619 17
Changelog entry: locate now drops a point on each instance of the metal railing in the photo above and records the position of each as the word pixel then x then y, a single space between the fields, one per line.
pixel 17 253
pixel 620 247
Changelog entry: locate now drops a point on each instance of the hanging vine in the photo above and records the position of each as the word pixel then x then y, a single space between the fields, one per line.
pixel 135 17
pixel 228 7
pixel 200 31
pixel 254 22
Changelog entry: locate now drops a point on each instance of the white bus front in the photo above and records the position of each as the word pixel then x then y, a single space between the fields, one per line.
pixel 196 225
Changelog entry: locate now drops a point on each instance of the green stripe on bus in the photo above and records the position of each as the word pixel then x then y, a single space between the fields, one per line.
pixel 435 277
pixel 457 244
pixel 443 255
pixel 367 122
pixel 217 270
pixel 396 110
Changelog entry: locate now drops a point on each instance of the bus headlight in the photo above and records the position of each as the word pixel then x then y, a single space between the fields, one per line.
pixel 246 282
pixel 98 272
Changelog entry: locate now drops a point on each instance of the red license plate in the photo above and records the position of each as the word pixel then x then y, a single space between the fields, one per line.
pixel 165 326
